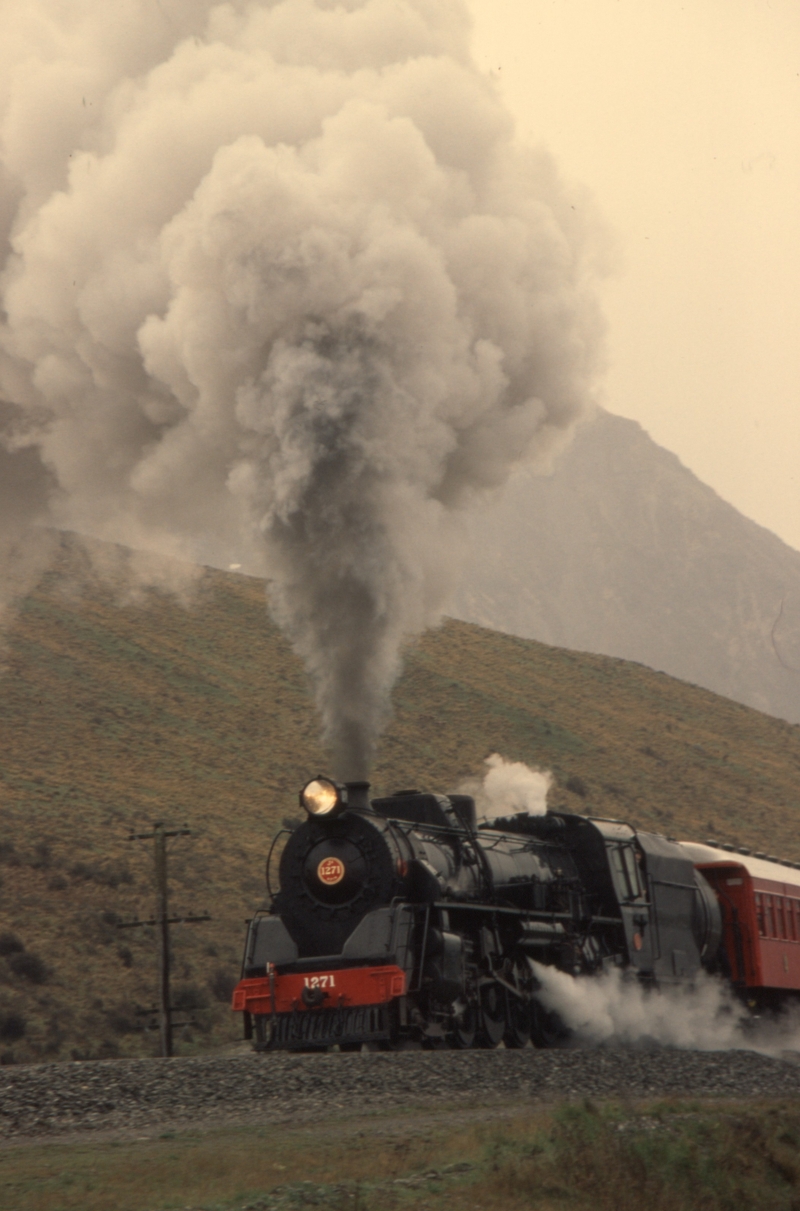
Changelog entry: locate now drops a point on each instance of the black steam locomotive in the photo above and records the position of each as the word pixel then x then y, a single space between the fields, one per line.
pixel 399 920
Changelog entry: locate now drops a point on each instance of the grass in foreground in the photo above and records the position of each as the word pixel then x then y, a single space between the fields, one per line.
pixel 660 1156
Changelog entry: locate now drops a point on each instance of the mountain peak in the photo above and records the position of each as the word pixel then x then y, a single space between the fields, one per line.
pixel 623 551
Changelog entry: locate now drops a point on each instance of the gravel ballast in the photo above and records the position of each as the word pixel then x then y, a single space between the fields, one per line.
pixel 122 1095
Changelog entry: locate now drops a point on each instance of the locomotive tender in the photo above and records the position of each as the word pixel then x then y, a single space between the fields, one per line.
pixel 400 920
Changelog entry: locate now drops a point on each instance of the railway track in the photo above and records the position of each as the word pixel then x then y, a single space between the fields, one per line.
pixel 124 1096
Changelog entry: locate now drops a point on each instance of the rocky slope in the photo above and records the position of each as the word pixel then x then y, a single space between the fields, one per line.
pixel 623 551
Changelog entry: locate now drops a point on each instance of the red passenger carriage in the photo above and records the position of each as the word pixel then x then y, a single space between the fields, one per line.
pixel 760 903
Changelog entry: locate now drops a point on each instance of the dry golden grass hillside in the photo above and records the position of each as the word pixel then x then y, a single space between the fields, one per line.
pixel 115 715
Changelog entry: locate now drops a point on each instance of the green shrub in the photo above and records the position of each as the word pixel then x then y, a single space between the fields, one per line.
pixel 29 967
pixel 42 857
pixel 577 786
pixel 12 1027
pixel 107 876
pixel 189 997
pixel 10 944
pixel 222 984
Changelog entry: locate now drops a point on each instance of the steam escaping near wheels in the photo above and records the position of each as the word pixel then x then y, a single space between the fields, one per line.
pixel 281 290
pixel 615 1008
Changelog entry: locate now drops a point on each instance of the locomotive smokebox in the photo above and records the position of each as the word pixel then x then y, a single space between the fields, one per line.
pixel 358 796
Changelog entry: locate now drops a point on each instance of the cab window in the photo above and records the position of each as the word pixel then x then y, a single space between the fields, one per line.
pixel 627 875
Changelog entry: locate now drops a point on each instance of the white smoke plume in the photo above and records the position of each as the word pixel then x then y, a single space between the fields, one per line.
pixel 507 788
pixel 280 289
pixel 614 1008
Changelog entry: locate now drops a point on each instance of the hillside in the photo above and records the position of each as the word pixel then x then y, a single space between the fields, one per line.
pixel 623 551
pixel 113 716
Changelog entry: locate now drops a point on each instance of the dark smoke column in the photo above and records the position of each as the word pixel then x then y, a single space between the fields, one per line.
pixel 334 553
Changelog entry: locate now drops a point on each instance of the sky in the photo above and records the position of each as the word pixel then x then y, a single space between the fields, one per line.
pixel 683 120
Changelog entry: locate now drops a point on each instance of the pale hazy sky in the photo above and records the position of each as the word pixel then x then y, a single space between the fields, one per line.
pixel 684 120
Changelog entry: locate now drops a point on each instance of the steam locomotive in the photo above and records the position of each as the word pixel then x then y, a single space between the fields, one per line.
pixel 399 921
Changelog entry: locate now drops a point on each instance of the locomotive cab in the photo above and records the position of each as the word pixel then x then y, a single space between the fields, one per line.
pixel 659 914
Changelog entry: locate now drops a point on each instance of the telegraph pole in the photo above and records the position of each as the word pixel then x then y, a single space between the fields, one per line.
pixel 162 922
pixel 162 916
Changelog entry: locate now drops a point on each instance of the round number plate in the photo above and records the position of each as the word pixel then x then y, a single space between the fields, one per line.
pixel 330 871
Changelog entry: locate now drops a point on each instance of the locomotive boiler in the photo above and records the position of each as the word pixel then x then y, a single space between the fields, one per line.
pixel 401 920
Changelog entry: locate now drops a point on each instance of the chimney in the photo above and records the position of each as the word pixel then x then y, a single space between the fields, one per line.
pixel 358 796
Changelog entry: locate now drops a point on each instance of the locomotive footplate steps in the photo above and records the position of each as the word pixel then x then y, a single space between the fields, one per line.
pixel 325 1027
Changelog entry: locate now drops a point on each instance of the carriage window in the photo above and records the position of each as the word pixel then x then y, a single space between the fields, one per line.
pixel 780 920
pixel 760 914
pixel 769 916
pixel 791 906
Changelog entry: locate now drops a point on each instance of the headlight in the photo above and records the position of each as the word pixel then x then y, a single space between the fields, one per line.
pixel 322 797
